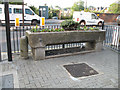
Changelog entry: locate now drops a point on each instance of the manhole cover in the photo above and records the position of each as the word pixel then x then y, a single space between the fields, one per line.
pixel 80 70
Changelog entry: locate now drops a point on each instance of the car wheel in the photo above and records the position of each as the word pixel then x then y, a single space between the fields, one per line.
pixel 82 23
pixel 34 22
pixel 100 24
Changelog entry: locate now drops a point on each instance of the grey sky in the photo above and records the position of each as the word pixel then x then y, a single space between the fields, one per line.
pixel 69 3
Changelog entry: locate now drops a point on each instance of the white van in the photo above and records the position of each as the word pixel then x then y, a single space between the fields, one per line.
pixel 87 18
pixel 15 11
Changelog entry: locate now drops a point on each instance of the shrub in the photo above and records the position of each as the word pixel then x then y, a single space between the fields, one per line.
pixel 69 25
pixel 66 17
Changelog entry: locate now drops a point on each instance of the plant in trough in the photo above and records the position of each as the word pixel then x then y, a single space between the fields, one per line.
pixel 69 25
pixel 47 30
pixel 35 29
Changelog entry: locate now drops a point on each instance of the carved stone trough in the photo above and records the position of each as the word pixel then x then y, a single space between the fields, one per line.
pixel 39 40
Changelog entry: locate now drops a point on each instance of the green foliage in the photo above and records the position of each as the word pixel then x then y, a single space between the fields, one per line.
pixel 67 17
pixel 78 6
pixel 115 7
pixel 53 12
pixel 35 29
pixel 69 24
pixel 36 10
pixel 85 28
pixel 86 10
pixel 0 2
pixel 50 14
pixel 46 30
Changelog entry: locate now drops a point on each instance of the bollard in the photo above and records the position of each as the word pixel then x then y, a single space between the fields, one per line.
pixel 24 47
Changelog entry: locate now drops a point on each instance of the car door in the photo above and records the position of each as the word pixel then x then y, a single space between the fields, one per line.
pixel 29 15
pixel 94 19
pixel 17 13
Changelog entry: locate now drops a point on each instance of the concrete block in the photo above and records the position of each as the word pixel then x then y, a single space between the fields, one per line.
pixel 24 47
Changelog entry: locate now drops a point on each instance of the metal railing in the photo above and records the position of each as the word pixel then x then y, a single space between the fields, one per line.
pixel 64 48
pixel 112 37
pixel 18 32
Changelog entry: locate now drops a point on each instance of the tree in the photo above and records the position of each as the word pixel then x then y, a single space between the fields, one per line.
pixel 115 7
pixel 91 8
pixel 16 3
pixel 58 7
pixel 78 6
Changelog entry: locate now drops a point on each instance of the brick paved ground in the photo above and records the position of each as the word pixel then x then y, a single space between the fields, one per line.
pixel 50 73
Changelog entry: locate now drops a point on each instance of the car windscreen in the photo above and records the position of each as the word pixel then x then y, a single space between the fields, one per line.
pixel 28 11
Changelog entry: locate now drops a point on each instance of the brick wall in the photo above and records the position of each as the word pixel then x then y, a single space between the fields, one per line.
pixel 108 17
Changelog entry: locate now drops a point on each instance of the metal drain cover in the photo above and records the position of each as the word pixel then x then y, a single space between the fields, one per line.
pixel 80 70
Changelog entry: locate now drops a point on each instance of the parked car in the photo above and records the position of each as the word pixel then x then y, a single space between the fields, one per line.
pixel 87 18
pixel 15 11
pixel 118 20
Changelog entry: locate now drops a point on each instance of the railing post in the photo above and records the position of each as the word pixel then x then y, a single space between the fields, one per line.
pixel 0 43
pixel 102 25
pixel 0 53
pixel 63 45
pixel 8 31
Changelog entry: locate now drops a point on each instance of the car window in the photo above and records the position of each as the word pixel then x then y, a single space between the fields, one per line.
pixel 0 10
pixel 28 11
pixel 10 10
pixel 17 11
pixel 93 16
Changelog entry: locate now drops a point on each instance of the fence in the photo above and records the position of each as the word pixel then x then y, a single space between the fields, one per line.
pixel 18 32
pixel 64 48
pixel 112 37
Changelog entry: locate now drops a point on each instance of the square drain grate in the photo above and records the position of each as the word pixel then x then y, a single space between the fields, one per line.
pixel 80 70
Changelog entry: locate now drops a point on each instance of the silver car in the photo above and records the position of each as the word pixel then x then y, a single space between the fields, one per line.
pixel 118 20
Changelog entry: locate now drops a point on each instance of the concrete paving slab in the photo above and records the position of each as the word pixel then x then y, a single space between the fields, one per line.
pixel 50 73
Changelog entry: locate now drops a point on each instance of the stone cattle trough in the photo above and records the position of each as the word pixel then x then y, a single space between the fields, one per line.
pixel 38 42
